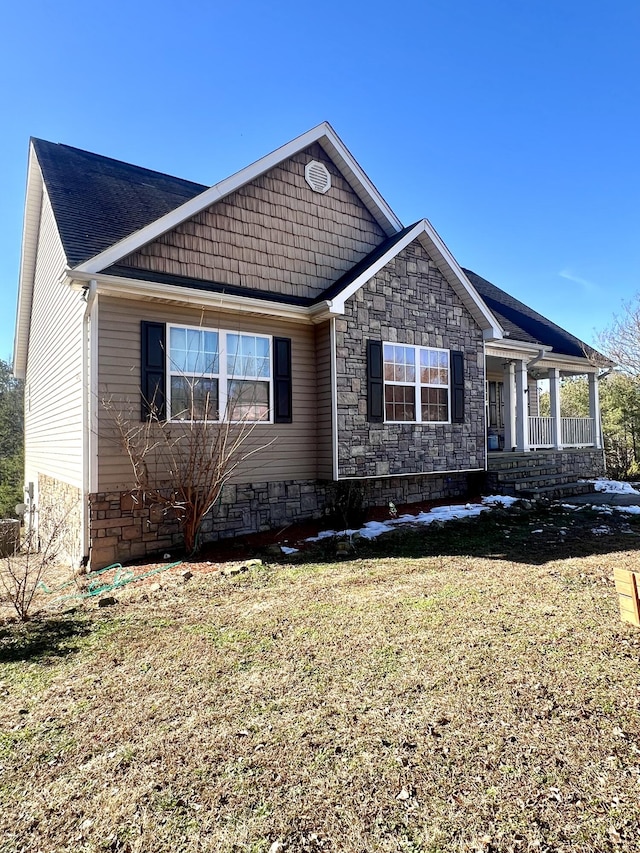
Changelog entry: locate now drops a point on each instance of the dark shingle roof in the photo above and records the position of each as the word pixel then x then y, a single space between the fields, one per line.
pixel 523 323
pixel 351 275
pixel 209 286
pixel 97 201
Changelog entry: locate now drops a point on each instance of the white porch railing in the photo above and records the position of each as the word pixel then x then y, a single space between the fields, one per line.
pixel 578 432
pixel 575 432
pixel 541 432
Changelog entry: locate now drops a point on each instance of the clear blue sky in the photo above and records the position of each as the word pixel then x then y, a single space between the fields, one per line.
pixel 513 125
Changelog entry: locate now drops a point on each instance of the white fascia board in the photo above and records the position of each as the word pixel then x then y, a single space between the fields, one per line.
pixel 322 133
pixel 359 181
pixel 30 233
pixel 446 263
pixel 571 363
pixel 499 348
pixel 128 288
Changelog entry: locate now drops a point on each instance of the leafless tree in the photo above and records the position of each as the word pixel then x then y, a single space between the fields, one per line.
pixel 42 546
pixel 183 464
pixel 621 340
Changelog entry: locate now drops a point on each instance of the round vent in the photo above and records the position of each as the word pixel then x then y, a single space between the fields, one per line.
pixel 317 176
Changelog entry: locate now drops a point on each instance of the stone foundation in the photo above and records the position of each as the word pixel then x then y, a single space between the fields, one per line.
pixel 59 507
pixel 124 526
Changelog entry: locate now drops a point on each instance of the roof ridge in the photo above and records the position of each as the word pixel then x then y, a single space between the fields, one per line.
pixel 103 157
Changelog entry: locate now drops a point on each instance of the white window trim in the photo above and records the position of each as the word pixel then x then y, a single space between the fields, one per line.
pixel 223 374
pixel 416 384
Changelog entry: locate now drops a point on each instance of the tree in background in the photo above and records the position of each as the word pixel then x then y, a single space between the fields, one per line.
pixel 11 440
pixel 620 392
pixel 620 408
pixel 621 341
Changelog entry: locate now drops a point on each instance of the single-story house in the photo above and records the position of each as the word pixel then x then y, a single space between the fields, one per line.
pixel 370 355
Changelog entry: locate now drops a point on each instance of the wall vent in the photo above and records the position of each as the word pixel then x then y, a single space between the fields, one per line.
pixel 317 176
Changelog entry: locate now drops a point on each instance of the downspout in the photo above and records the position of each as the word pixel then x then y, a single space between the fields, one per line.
pixel 90 295
pixel 540 356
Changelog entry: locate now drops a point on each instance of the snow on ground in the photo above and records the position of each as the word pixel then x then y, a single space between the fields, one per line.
pixel 614 486
pixel 372 529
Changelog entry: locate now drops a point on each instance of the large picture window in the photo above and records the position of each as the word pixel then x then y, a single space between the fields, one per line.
pixel 218 375
pixel 416 384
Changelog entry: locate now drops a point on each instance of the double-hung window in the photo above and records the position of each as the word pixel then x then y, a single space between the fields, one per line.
pixel 218 375
pixel 416 384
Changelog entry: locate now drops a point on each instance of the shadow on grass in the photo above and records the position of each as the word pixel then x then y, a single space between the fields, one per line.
pixel 535 537
pixel 41 639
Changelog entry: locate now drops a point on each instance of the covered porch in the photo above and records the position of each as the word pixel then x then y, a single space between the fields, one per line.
pixel 514 422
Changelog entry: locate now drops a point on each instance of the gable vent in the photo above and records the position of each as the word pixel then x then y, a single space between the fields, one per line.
pixel 317 176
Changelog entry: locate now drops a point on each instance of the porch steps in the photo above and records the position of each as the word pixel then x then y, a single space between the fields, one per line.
pixel 533 475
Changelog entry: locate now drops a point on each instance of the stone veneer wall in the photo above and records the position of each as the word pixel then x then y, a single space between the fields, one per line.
pixel 124 526
pixel 59 507
pixel 407 302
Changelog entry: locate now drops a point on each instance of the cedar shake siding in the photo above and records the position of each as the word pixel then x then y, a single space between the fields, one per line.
pixel 407 302
pixel 292 456
pixel 274 234
pixel 53 381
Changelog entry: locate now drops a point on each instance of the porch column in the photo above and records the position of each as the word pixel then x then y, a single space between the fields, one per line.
pixel 554 400
pixel 594 409
pixel 522 409
pixel 509 381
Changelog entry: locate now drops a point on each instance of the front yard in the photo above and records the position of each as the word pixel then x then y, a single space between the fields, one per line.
pixel 463 688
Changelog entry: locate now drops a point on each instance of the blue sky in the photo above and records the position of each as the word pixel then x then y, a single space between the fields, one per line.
pixel 513 125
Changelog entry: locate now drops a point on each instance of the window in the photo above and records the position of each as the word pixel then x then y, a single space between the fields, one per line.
pixel 416 384
pixel 218 375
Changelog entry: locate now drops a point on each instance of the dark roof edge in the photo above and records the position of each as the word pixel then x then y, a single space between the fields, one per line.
pixel 207 286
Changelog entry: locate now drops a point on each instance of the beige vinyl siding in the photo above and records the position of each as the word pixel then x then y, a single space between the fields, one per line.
pixel 274 234
pixel 534 406
pixel 292 456
pixel 53 384
pixel 324 402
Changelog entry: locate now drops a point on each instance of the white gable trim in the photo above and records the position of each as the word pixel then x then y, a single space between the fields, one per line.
pixel 447 265
pixel 30 235
pixel 323 134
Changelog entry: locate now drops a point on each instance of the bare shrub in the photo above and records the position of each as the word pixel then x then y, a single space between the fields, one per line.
pixel 40 549
pixel 184 464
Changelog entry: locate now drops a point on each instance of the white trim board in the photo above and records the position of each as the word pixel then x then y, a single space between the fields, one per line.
pixel 324 134
pixel 448 266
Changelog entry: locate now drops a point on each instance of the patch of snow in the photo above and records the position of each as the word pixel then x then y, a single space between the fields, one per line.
pixel 603 485
pixel 504 500
pixel 601 531
pixel 540 530
pixel 287 550
pixel 632 510
pixel 372 529
pixel 324 534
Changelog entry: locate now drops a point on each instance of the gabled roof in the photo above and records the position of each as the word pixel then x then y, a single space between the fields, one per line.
pixel 347 284
pixel 522 323
pixel 196 198
pixel 98 201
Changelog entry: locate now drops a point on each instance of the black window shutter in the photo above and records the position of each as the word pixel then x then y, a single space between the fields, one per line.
pixel 375 385
pixel 153 370
pixel 282 403
pixel 457 386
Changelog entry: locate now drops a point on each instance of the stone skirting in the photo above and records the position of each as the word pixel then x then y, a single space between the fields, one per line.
pixel 124 526
pixel 581 463
pixel 59 508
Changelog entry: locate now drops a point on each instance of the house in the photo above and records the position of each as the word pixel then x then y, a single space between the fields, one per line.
pixel 371 356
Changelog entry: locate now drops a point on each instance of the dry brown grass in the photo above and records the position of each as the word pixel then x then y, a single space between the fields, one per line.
pixel 386 703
